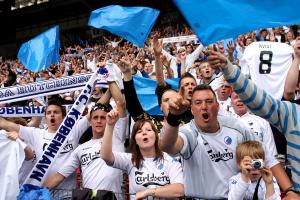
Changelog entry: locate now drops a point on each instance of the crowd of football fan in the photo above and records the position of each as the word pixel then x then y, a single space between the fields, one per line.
pixel 207 144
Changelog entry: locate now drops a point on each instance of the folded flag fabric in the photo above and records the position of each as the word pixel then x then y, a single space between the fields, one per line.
pixel 132 23
pixel 40 52
pixel 30 192
pixel 145 89
pixel 213 20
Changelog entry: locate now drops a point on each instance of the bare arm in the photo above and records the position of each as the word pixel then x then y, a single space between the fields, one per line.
pixel 171 142
pixel 167 191
pixel 106 147
pixel 53 181
pixel 35 122
pixel 118 97
pixel 283 180
pixel 291 80
pixel 157 47
pixel 29 154
pixel 9 126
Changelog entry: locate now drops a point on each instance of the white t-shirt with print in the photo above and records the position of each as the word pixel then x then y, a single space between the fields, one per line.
pixel 95 173
pixel 240 190
pixel 267 63
pixel 152 174
pixel 39 139
pixel 209 158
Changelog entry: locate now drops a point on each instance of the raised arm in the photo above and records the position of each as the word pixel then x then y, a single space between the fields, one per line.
pixel 257 100
pixel 106 147
pixel 54 180
pixel 133 105
pixel 171 142
pixel 157 48
pixel 291 80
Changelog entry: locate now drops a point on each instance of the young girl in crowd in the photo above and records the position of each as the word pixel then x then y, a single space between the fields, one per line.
pixel 254 181
pixel 150 171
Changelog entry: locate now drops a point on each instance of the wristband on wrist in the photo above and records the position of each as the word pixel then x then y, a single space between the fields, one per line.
pixel 174 120
pixel 292 189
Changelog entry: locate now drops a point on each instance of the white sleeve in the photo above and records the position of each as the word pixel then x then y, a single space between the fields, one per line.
pixel 168 55
pixel 245 68
pixel 196 53
pixel 175 171
pixel 71 164
pixel 120 129
pixel 237 188
pixel 189 145
pixel 27 134
pixel 123 161
pixel 270 148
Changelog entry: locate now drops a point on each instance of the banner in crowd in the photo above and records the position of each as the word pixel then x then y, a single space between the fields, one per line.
pixel 185 38
pixel 213 20
pixel 132 23
pixel 42 51
pixel 44 88
pixel 53 149
pixel 26 111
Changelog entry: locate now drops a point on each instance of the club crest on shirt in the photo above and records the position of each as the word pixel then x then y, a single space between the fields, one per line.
pixel 87 158
pixel 227 140
pixel 146 179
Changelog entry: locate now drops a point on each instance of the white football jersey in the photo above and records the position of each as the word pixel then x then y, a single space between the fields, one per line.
pixel 267 63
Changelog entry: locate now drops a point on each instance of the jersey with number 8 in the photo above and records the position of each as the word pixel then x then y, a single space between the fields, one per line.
pixel 267 63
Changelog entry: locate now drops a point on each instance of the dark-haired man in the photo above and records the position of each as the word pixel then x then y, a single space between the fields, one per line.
pixel 39 139
pixel 96 174
pixel 207 144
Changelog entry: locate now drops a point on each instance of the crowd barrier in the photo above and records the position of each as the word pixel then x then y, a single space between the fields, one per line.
pixel 87 194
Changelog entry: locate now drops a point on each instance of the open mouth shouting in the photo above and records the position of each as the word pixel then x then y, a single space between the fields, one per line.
pixel 205 117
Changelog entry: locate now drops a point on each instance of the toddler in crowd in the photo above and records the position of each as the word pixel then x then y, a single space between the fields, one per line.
pixel 255 181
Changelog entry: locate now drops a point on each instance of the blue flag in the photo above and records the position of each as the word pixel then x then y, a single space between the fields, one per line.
pixel 40 52
pixel 132 23
pixel 29 192
pixel 213 20
pixel 145 89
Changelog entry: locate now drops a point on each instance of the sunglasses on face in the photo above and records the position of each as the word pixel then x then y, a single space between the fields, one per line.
pixel 101 107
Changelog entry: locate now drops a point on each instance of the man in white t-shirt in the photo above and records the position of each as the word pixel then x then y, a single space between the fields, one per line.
pixel 223 94
pixel 207 144
pixel 39 139
pixel 96 174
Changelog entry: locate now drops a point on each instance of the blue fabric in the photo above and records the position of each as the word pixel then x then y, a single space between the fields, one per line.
pixel 145 89
pixel 30 192
pixel 132 23
pixel 40 52
pixel 213 20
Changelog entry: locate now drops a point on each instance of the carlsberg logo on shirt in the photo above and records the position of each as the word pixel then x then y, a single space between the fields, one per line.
pixel 218 156
pixel 146 179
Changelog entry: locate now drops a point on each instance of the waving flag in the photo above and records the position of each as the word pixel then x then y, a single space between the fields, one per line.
pixel 131 23
pixel 145 89
pixel 213 20
pixel 40 52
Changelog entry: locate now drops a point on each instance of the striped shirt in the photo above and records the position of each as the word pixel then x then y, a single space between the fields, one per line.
pixel 282 114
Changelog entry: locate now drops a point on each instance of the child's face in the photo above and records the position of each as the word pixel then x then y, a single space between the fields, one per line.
pixel 254 175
